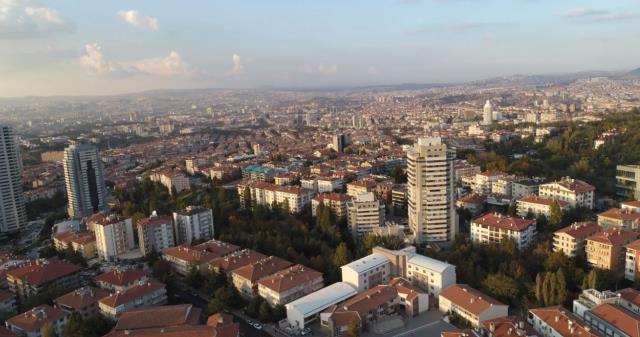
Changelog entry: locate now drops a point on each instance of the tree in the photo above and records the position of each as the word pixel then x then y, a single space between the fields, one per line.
pixel 591 280
pixel 264 313
pixel 539 289
pixel 502 287
pixel 48 330
pixel 75 326
pixel 561 288
pixel 194 278
pixel 555 214
pixel 546 289
pixel 353 329
pixel 341 256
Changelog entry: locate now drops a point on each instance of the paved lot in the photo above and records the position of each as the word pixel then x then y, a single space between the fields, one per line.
pixel 427 324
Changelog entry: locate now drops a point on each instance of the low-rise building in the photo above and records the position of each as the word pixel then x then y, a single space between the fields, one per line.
pixel 306 310
pixel 573 191
pixel 558 322
pixel 337 202
pixel 429 274
pixel 495 227
pixel 121 279
pixel 246 278
pixel 217 248
pixel 510 326
pixel 625 219
pixel 139 296
pixel 83 242
pixel 606 249
pixel 632 205
pixel 166 316
pixel 572 239
pixel 379 302
pixel 591 298
pixel 470 304
pixel 367 272
pixel 474 203
pixel 34 322
pixel 629 299
pixel 289 284
pixel 36 277
pixel 181 258
pixel 632 260
pixel 536 206
pixel 613 320
pixel 82 300
pixel 229 263
pixel 155 234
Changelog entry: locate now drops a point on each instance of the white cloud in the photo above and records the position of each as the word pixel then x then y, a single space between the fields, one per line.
pixel 238 67
pixel 596 15
pixel 95 62
pixel 173 64
pixel 320 69
pixel 25 19
pixel 137 19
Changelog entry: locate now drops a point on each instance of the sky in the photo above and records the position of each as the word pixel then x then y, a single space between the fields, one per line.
pixel 80 47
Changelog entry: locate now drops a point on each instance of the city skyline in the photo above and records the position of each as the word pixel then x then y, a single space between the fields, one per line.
pixel 62 48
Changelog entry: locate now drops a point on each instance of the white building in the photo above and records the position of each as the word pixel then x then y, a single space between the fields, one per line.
pixel 267 194
pixel 573 191
pixel 430 190
pixel 631 260
pixel 114 235
pixel 494 227
pixel 155 234
pixel 430 274
pixel 572 239
pixel 559 322
pixel 367 272
pixel 173 181
pixel 365 214
pixel 84 181
pixel 487 113
pixel 538 206
pixel 12 204
pixel 194 223
pixel 306 310
pixel 329 184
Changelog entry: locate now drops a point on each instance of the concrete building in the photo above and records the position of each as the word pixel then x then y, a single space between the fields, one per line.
pixel 487 113
pixel 181 258
pixel 245 279
pixel 358 187
pixel 605 250
pixel 589 299
pixel 175 182
pixel 470 304
pixel 539 206
pixel 624 219
pixel 120 279
pixel 292 198
pixel 378 303
pixel 34 322
pixel 482 183
pixel 573 191
pixel 559 322
pixel 38 276
pixel 83 242
pixel 193 223
pixel 365 214
pixel 114 235
pixel 429 274
pixel 523 187
pixel 572 239
pixel 633 205
pixel 139 296
pixel 337 202
pixel 306 310
pixel 494 227
pixel 231 262
pixel 84 181
pixel 12 202
pixel 367 272
pixel 632 260
pixel 628 182
pixel 430 190
pixel 155 234
pixel 613 320
pixel 289 284
pixel 82 300
pixel 510 326
pixel 629 299
pixel 338 142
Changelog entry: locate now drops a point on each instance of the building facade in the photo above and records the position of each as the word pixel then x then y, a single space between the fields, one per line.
pixel 12 201
pixel 194 223
pixel 155 234
pixel 494 227
pixel 84 180
pixel 628 182
pixel 365 214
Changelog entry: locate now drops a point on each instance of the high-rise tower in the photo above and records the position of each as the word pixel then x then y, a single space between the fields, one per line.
pixel 12 203
pixel 84 180
pixel 432 213
pixel 487 116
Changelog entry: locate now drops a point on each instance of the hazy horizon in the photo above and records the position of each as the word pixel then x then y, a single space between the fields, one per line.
pixel 67 48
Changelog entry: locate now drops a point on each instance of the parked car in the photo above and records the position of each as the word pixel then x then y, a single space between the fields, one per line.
pixel 257 326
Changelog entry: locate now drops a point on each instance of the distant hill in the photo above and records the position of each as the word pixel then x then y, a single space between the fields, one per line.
pixel 635 72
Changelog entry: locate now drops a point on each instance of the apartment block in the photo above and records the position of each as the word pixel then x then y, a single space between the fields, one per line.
pixel 628 182
pixel 365 214
pixel 121 279
pixel 289 284
pixel 83 242
pixel 82 300
pixel 139 296
pixel 573 191
pixel 617 218
pixel 34 322
pixel 231 262
pixel 337 202
pixel 606 250
pixel 193 223
pixel 367 272
pixel 38 276
pixel 537 206
pixel 291 198
pixel 114 235
pixel 559 322
pixel 470 304
pixel 494 227
pixel 181 258
pixel 246 278
pixel 155 234
pixel 572 239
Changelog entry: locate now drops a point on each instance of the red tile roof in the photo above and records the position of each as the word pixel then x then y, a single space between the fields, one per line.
pixel 620 214
pixel 558 319
pixel 36 318
pixel 619 317
pixel 630 295
pixel 42 272
pixel 159 317
pixel 131 294
pixel 189 255
pixel 510 326
pixel 503 221
pixel 614 237
pixel 289 278
pixel 236 260
pixel 263 268
pixel 81 298
pixel 468 298
pixel 580 229
pixel 155 220
pixel 218 248
pixel 121 278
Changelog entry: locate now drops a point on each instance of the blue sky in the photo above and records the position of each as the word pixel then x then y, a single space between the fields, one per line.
pixel 71 47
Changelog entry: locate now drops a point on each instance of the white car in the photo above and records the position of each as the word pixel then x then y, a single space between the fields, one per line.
pixel 257 326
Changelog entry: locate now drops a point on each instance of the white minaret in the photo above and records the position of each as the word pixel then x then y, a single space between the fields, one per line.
pixel 487 113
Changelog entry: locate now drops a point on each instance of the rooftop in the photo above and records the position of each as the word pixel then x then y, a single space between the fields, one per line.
pixel 323 298
pixel 366 263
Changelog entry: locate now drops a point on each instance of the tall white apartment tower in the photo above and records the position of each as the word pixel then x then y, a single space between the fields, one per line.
pixel 430 189
pixel 84 180
pixel 12 209
pixel 487 115
pixel 365 214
